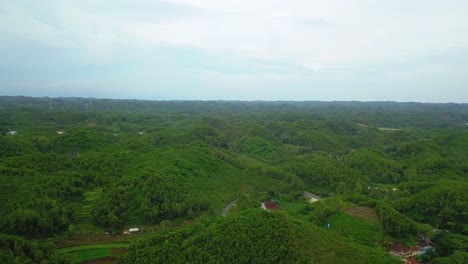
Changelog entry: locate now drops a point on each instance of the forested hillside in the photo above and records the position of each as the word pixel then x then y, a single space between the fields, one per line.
pixel 79 171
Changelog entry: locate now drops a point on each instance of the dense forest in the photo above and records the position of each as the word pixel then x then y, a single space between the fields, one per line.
pixel 76 171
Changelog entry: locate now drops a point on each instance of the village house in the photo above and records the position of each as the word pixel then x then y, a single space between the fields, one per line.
pixel 403 251
pixel 269 206
pixel 411 261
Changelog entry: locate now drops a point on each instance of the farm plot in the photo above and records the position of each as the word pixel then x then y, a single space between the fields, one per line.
pixel 364 212
pixel 81 253
pixel 363 230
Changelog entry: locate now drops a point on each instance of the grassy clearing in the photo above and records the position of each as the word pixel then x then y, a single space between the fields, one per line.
pixel 362 230
pixel 91 246
pixel 83 220
pixel 292 207
pixel 87 252
pixel 83 215
pixel 91 254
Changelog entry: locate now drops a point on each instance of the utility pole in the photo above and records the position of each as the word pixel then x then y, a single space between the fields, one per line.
pixel 381 225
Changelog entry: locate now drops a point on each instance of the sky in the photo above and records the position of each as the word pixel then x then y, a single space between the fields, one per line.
pixel 365 50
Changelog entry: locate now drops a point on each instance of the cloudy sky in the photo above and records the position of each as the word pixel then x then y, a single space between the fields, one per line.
pixel 367 50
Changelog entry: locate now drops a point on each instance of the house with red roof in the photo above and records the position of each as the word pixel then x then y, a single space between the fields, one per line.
pixel 403 251
pixel 411 261
pixel 269 205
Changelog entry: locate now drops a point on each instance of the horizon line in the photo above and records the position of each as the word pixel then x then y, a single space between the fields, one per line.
pixel 235 100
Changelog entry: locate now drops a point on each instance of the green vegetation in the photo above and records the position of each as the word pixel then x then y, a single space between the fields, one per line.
pixel 86 170
pixel 18 250
pixel 252 236
pixel 364 231
pixel 66 250
pixel 82 253
pixel 90 254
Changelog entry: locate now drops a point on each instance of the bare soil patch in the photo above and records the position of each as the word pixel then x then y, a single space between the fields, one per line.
pixel 119 251
pixel 109 260
pixel 362 211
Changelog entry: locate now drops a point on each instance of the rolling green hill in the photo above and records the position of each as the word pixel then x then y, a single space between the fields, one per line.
pixel 88 167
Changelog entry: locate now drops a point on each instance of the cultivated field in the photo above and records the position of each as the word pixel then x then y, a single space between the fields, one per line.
pixel 363 230
pixel 365 212
pixel 82 253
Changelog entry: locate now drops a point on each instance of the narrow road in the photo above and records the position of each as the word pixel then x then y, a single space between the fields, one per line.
pixel 226 209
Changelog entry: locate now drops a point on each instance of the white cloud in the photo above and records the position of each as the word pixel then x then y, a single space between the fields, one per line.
pixel 314 66
pixel 270 29
pixel 334 32
pixel 296 41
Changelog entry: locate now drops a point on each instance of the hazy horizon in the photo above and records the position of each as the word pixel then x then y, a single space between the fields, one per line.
pixel 358 50
pixel 231 100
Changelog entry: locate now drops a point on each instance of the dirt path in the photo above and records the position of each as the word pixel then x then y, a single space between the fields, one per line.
pixel 389 129
pixel 226 209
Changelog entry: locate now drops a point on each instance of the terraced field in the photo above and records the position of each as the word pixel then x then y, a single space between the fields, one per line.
pixel 88 252
pixel 83 216
pixel 103 252
pixel 363 230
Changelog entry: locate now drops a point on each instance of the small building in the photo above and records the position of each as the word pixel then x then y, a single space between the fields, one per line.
pixel 60 132
pixel 411 261
pixel 269 205
pixel 134 230
pixel 403 251
pixel 11 133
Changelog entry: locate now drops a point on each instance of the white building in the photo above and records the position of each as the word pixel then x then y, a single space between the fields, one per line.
pixel 134 230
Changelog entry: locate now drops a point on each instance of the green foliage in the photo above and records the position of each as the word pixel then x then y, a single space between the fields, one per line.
pixel 13 146
pixel 253 236
pixel 21 251
pixel 395 223
pixel 448 243
pixel 47 218
pixel 110 208
pixel 443 206
pixel 457 258
pixel 166 198
pixel 375 166
pixel 257 146
pixel 122 162
pixel 81 139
